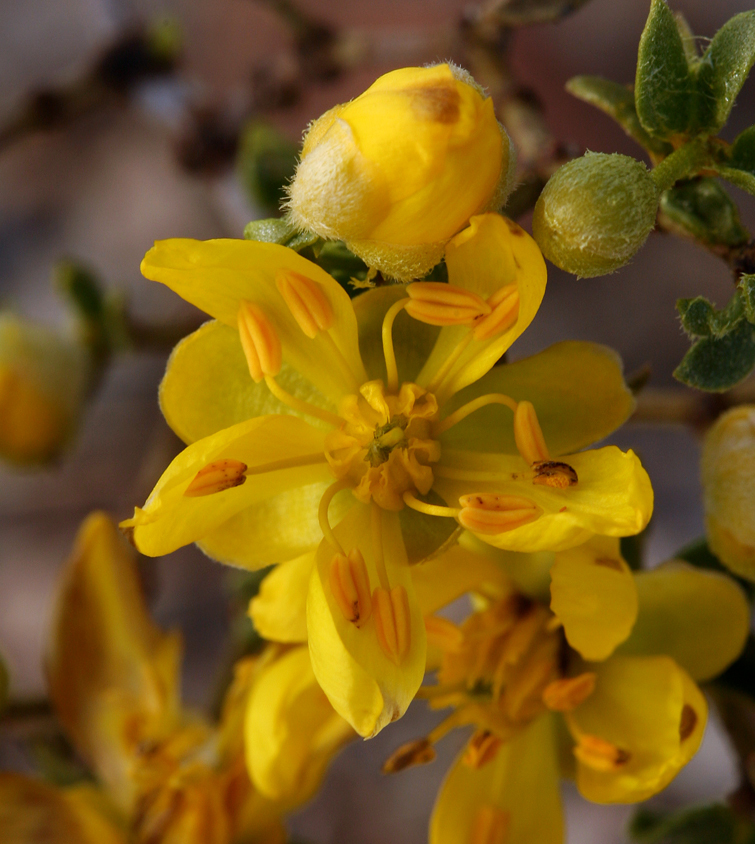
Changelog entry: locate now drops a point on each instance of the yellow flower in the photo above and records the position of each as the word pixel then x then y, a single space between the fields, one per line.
pixel 634 715
pixel 401 169
pixel 163 776
pixel 42 380
pixel 410 438
pixel 728 475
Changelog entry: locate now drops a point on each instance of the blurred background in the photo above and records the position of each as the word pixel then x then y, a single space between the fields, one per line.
pixel 97 174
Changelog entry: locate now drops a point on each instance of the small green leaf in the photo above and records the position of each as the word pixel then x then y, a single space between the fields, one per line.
pixel 718 364
pixel 699 825
pixel 747 295
pixel 701 319
pixel 740 178
pixel 743 151
pixel 664 89
pixel 280 231
pixel 266 163
pixel 723 70
pixel 617 101
pixel 702 209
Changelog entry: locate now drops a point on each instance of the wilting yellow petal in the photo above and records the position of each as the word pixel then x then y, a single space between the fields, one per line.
pixel 637 730
pixel 364 684
pixel 291 730
pixel 699 618
pixel 594 596
pixel 279 611
pixel 113 675
pixel 519 787
pixel 217 275
pixel 577 389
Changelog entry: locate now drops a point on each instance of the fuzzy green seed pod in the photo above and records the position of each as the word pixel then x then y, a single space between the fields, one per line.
pixel 595 213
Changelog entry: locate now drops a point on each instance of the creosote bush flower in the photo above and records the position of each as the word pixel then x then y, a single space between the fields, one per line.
pixel 362 439
pixel 401 169
pixel 615 656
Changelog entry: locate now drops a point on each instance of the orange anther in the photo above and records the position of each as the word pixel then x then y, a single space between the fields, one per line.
pixel 392 621
pixel 599 754
pixel 418 752
pixel 490 513
pixel 567 693
pixel 491 826
pixel 528 435
pixel 554 473
pixel 260 342
pixel 216 477
pixel 482 748
pixel 305 299
pixel 350 585
pixel 505 305
pixel 443 304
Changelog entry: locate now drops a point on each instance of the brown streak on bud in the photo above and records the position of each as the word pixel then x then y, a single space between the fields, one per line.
pixel 419 752
pixel 217 476
pixel 688 722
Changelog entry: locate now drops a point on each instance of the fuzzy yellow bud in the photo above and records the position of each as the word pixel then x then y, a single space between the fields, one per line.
pixel 42 381
pixel 728 474
pixel 399 171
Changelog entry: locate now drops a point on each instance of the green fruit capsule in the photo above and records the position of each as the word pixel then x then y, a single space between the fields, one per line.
pixel 595 213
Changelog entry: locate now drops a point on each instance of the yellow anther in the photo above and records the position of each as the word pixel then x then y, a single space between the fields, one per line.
pixel 418 752
pixel 216 477
pixel 443 304
pixel 599 754
pixel 491 826
pixel 482 748
pixel 350 585
pixel 444 634
pixel 305 299
pixel 505 305
pixel 392 621
pixel 528 435
pixel 260 342
pixel 490 513
pixel 555 474
pixel 688 722
pixel 566 694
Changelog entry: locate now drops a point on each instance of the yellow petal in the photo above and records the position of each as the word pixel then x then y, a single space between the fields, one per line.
pixel 491 253
pixel 171 519
pixel 594 596
pixel 217 275
pixel 291 730
pixel 643 723
pixel 207 386
pixel 364 685
pixel 577 389
pixel 699 618
pixel 520 785
pixel 279 611
pixel 33 812
pixel 109 667
pixel 613 496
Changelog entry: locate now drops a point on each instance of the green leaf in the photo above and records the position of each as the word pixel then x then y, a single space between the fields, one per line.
pixel 740 178
pixel 266 163
pixel 702 209
pixel 617 101
pixel 747 295
pixel 723 70
pixel 275 230
pixel 701 319
pixel 718 364
pixel 743 151
pixel 699 825
pixel 341 263
pixel 664 89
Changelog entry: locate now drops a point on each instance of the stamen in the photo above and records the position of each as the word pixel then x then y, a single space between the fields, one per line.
pixel 301 406
pixel 491 826
pixel 217 477
pixel 418 752
pixel 688 722
pixel 322 513
pixel 528 435
pixel 392 621
pixel 444 634
pixel 566 694
pixel 259 340
pixel 388 350
pixel 491 513
pixel 505 305
pixel 555 474
pixel 305 299
pixel 448 363
pixel 599 754
pixel 376 523
pixel 481 749
pixel 444 304
pixel 470 407
pixel 428 509
pixel 350 585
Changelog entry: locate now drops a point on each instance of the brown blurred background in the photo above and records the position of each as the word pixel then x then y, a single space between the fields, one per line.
pixel 107 184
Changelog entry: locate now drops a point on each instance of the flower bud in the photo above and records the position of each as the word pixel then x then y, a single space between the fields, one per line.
pixel 400 170
pixel 595 213
pixel 728 475
pixel 42 382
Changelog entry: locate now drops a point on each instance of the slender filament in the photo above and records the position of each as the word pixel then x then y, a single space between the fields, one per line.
pixel 301 406
pixel 388 350
pixel 429 509
pixel 322 513
pixel 470 407
pixel 377 546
